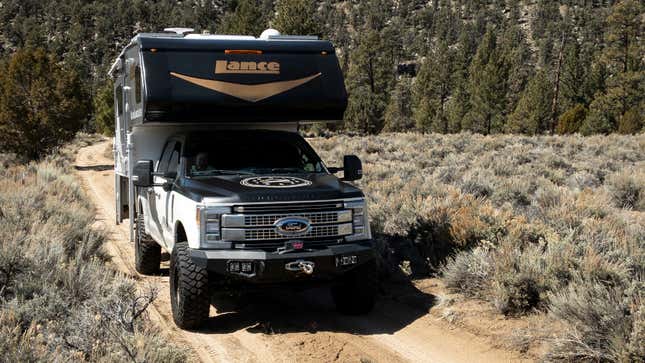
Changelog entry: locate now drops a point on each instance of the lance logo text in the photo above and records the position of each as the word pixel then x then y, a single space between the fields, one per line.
pixel 223 66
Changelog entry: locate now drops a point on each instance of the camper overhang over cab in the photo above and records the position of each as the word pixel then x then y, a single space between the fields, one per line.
pixel 181 78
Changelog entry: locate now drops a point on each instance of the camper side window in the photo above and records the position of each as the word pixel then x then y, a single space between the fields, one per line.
pixel 137 84
pixel 118 96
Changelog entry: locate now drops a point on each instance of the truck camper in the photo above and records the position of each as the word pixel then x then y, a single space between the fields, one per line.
pixel 210 167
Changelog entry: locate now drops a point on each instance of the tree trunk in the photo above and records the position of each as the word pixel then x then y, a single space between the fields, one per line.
pixel 556 86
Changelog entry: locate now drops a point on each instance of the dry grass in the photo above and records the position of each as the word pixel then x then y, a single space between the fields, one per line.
pixel 58 299
pixel 546 224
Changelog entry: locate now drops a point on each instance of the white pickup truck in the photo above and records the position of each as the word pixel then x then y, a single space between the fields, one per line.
pixel 209 166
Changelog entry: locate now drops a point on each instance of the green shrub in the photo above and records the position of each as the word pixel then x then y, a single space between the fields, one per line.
pixel 571 120
pixel 631 122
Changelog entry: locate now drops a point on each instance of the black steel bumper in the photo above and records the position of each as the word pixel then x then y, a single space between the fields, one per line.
pixel 272 267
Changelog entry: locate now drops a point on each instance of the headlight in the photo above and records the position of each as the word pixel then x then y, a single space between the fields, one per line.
pixel 360 220
pixel 209 222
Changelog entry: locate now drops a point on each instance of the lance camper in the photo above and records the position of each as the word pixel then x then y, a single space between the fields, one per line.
pixel 210 167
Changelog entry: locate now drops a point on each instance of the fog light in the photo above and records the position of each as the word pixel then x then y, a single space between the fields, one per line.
pixel 345 229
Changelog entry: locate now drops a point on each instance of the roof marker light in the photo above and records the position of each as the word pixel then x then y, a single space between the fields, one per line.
pixel 242 51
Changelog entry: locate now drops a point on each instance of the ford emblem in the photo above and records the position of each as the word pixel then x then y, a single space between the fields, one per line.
pixel 292 226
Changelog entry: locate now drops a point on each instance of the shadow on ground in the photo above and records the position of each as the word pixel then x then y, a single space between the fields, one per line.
pixel 94 167
pixel 282 311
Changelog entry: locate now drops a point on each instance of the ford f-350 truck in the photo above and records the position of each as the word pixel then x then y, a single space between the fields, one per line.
pixel 210 167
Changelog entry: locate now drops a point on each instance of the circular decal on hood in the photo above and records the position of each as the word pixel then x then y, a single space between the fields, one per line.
pixel 274 182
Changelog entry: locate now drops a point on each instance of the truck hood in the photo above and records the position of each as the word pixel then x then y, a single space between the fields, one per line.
pixel 266 188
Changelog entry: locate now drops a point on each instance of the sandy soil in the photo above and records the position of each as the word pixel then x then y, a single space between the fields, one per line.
pixel 286 327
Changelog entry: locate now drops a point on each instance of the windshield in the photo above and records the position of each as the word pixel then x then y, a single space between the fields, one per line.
pixel 250 152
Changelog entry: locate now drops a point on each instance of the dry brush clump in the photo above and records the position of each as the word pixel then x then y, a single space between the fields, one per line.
pixel 550 224
pixel 58 299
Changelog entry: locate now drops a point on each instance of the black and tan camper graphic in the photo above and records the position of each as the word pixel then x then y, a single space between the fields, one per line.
pixel 213 78
pixel 247 92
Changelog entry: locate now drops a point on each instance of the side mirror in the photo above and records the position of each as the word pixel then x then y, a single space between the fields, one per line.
pixel 142 173
pixel 352 167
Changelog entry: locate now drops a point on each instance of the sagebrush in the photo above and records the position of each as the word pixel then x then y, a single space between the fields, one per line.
pixel 58 299
pixel 552 224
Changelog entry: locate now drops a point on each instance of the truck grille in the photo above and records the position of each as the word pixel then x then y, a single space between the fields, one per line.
pixel 255 223
pixel 268 220
pixel 270 233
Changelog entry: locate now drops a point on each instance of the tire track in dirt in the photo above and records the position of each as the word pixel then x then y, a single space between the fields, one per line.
pixel 287 327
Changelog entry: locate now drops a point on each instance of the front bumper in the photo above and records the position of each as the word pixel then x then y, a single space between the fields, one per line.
pixel 271 267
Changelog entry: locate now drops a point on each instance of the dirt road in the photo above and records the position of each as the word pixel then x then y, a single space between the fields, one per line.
pixel 293 327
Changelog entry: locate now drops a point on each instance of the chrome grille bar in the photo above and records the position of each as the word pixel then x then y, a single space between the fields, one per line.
pixel 266 220
pixel 263 234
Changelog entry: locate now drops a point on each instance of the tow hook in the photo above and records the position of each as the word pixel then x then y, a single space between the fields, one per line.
pixel 301 266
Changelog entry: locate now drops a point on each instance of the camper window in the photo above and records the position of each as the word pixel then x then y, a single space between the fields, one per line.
pixel 118 96
pixel 137 84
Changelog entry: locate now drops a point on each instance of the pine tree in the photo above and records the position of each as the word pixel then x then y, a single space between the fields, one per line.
pixel 42 104
pixel 623 59
pixel 432 90
pixel 246 19
pixel 296 17
pixel 103 109
pixel 533 112
pixel 368 82
pixel 624 93
pixel 398 114
pixel 573 77
pixel 516 56
pixel 486 88
pixel 624 49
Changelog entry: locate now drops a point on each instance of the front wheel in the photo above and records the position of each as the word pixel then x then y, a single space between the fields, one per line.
pixel 189 295
pixel 355 292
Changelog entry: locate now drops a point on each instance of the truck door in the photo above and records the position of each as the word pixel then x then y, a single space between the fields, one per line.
pixel 152 217
pixel 167 172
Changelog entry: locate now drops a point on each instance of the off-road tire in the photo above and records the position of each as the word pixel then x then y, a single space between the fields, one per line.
pixel 355 292
pixel 147 253
pixel 189 295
